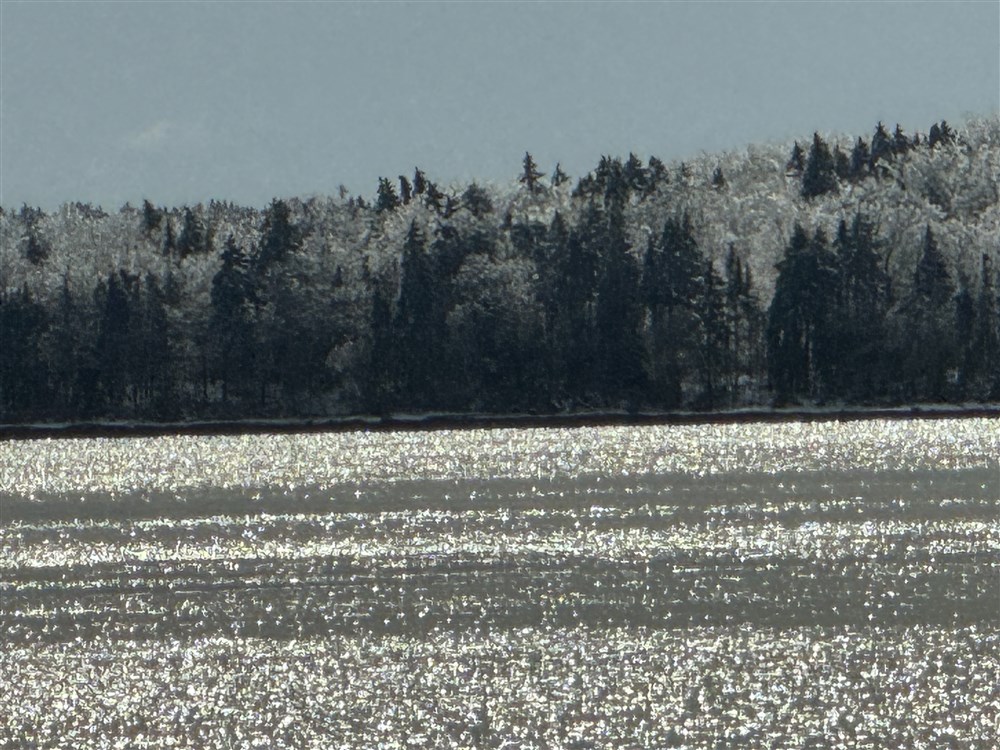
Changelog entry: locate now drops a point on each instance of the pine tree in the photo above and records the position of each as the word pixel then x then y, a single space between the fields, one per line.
pixel 231 327
pixel 530 175
pixel 419 182
pixel 280 237
pixel 194 237
pixel 797 161
pixel 860 160
pixel 900 143
pixel 419 323
pixel 860 311
pixel 386 200
pixel 405 191
pixel 37 248
pixel 881 149
pixel 618 317
pixel 671 291
pixel 379 392
pixel 635 175
pixel 113 342
pixel 559 177
pixel 658 174
pixel 819 177
pixel 477 201
pixel 841 164
pixel 985 340
pixel 151 217
pixel 799 331
pixel 928 315
pixel 934 137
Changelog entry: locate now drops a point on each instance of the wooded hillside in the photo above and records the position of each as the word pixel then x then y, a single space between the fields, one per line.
pixel 830 271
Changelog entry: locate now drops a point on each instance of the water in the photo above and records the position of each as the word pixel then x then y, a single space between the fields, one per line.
pixel 782 585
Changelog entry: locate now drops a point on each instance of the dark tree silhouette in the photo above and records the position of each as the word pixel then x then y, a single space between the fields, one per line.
pixel 530 175
pixel 819 176
pixel 386 200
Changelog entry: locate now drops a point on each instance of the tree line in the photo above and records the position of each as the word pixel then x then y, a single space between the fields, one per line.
pixel 548 299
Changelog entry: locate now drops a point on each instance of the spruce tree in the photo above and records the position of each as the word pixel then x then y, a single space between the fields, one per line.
pixel 819 176
pixel 405 191
pixel 860 160
pixel 231 325
pixel 929 340
pixel 386 200
pixel 881 149
pixel 530 175
pixel 800 355
pixel 618 317
pixel 797 161
pixel 860 311
pixel 900 143
pixel 151 217
pixel 280 236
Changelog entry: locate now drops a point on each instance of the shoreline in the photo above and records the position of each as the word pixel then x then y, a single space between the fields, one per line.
pixel 458 421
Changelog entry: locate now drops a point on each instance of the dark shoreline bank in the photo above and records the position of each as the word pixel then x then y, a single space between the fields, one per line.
pixel 432 422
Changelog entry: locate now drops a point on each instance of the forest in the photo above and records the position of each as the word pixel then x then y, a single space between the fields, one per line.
pixel 831 271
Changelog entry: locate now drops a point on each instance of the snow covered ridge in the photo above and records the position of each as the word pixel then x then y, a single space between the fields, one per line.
pixel 841 270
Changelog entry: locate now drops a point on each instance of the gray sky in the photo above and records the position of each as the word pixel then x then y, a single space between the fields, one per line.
pixel 181 102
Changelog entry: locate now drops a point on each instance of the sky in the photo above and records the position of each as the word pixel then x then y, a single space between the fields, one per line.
pixel 180 102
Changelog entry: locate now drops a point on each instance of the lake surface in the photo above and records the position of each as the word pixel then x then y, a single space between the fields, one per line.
pixel 754 586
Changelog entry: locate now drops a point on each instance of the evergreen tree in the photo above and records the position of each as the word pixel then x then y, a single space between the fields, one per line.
pixel 841 164
pixel 386 200
pixel 744 324
pixel 797 161
pixel 658 174
pixel 232 324
pixel 900 143
pixel 23 393
pixel 419 324
pixel 530 175
pixel 405 191
pixel 860 160
pixel 928 316
pixel 477 201
pixel 881 149
pixel 671 291
pixel 860 312
pixel 799 351
pixel 984 365
pixel 419 182
pixel 194 237
pixel 434 198
pixel 279 236
pixel 819 177
pixel 37 248
pixel 618 316
pixel 113 342
pixel 150 352
pixel 934 137
pixel 152 218
pixel 635 175
pixel 169 241
pixel 379 391
pixel 576 289
pixel 559 177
